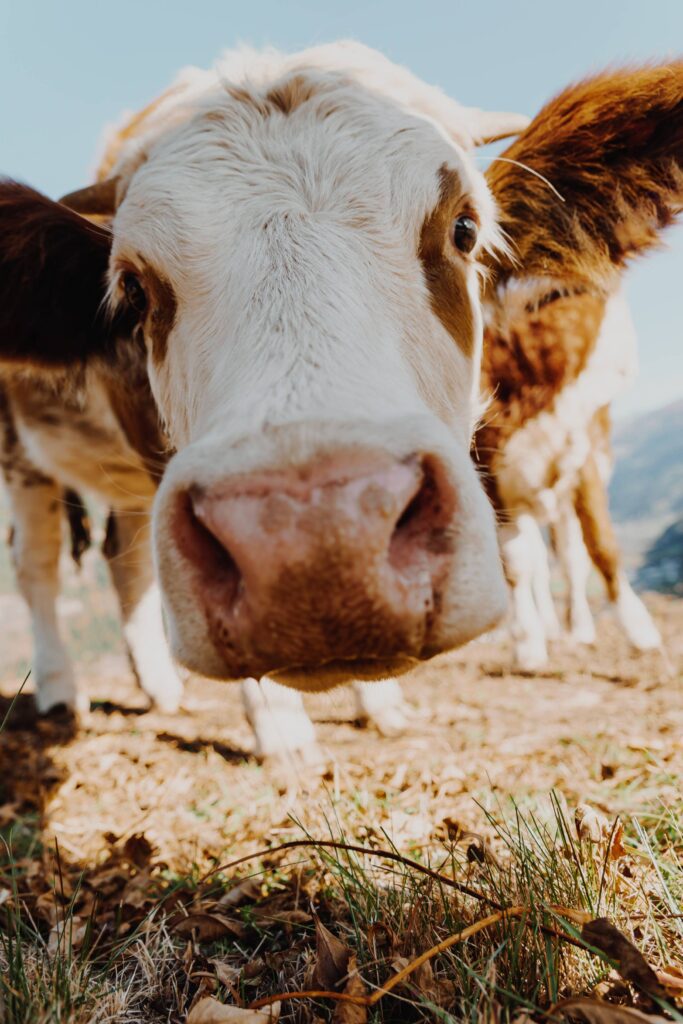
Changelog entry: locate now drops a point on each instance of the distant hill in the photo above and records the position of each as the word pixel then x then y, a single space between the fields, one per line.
pixel 646 496
pixel 648 476
pixel 662 568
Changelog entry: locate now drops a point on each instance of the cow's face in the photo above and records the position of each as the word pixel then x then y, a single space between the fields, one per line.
pixel 305 264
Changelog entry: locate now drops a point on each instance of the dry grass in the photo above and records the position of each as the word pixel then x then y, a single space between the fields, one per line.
pixel 109 832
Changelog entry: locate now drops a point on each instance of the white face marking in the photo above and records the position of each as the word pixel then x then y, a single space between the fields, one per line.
pixel 303 319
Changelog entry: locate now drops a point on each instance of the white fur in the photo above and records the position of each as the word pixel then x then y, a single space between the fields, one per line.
pixel 143 629
pixel 520 546
pixel 576 568
pixel 635 619
pixel 381 703
pixel 279 720
pixel 303 318
pixel 37 525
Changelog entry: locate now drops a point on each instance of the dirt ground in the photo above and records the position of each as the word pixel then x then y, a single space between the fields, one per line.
pixel 600 725
pixel 108 830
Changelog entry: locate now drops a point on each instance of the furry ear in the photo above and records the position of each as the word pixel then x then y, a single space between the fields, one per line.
pixel 100 199
pixel 53 266
pixel 595 177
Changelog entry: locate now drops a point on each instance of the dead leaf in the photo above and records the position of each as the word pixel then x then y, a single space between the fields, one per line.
pixel 241 892
pixel 423 979
pixel 138 850
pixel 67 935
pixel 616 847
pixel 332 958
pixel 590 824
pixel 208 927
pixel 671 978
pixel 596 1012
pixel 381 936
pixel 286 917
pixel 632 965
pixel 226 973
pixel 210 1011
pixel 350 1013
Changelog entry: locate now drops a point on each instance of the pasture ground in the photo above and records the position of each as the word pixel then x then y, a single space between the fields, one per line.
pixel 115 905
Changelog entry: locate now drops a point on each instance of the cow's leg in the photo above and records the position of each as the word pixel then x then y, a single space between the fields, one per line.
pixel 518 541
pixel 540 583
pixel 576 566
pixel 598 533
pixel 381 704
pixel 36 540
pixel 128 550
pixel 277 715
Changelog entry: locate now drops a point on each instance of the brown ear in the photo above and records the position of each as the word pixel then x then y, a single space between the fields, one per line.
pixel 100 199
pixel 53 266
pixel 611 152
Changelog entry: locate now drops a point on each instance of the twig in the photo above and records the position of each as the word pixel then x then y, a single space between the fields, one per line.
pixel 331 844
pixel 379 993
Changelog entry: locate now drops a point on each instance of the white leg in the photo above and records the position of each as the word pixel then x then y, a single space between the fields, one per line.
pixel 381 704
pixel 279 720
pixel 518 544
pixel 576 569
pixel 635 619
pixel 37 516
pixel 540 584
pixel 128 551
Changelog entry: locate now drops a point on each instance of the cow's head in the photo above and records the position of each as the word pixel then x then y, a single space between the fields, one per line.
pixel 301 251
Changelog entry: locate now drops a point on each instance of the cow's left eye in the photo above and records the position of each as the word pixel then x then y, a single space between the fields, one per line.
pixel 134 292
pixel 464 233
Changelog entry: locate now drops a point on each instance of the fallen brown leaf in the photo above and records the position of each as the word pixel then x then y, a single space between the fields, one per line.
pixel 351 1013
pixel 226 973
pixel 208 927
pixel 210 1011
pixel 671 977
pixel 632 965
pixel 67 935
pixel 616 847
pixel 596 1012
pixel 332 958
pixel 138 850
pixel 241 892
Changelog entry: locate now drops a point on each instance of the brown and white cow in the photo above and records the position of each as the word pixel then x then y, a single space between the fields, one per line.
pixel 297 246
pixel 548 459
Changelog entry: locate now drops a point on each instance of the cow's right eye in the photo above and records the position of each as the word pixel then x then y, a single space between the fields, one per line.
pixel 134 292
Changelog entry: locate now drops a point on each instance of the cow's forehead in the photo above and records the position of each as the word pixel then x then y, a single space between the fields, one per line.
pixel 304 145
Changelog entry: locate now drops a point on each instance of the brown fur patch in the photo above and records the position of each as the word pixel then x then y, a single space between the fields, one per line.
pixel 528 359
pixel 53 267
pixel 291 94
pixel 161 315
pixel 591 505
pixel 444 274
pixel 612 146
pixel 127 384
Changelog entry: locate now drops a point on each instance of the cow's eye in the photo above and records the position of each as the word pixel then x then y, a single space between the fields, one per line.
pixel 464 233
pixel 134 292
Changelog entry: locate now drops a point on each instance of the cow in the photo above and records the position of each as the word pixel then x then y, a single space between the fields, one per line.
pixel 293 251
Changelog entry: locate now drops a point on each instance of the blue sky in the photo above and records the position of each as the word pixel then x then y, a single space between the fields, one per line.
pixel 67 68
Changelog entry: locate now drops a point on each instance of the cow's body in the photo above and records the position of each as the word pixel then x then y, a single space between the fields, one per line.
pixel 553 363
pixel 295 247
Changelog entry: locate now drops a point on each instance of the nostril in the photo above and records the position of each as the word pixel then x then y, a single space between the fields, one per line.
pixel 209 555
pixel 421 534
